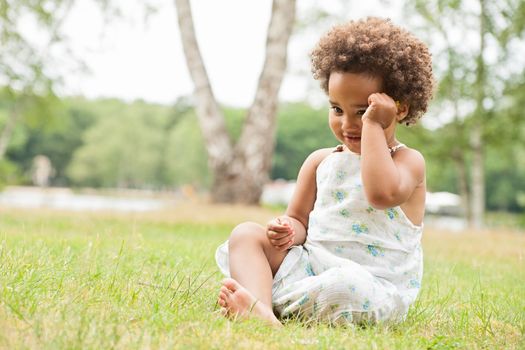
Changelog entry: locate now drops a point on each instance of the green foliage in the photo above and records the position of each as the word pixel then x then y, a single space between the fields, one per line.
pixel 234 121
pixel 122 149
pixel 142 145
pixel 9 173
pixel 58 139
pixel 23 114
pixel 108 143
pixel 301 130
pixel 440 171
pixel 476 91
pixel 186 158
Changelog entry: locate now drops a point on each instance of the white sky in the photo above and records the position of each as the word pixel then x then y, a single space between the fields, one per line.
pixel 133 59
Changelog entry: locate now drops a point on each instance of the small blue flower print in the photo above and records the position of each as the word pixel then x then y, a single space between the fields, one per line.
pixel 359 228
pixel 391 213
pixel 398 236
pixel 375 250
pixel 344 213
pixel 366 304
pixel 414 283
pixel 340 175
pixel 339 195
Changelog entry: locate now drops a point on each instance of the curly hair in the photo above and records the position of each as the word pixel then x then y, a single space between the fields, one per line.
pixel 378 47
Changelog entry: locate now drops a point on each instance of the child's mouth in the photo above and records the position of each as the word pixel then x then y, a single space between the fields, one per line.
pixel 352 139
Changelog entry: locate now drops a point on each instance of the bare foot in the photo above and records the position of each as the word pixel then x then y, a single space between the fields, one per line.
pixel 238 303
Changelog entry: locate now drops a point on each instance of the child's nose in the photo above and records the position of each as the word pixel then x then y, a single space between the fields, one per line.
pixel 350 122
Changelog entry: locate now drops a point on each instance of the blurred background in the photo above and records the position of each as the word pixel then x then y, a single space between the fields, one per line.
pixel 98 110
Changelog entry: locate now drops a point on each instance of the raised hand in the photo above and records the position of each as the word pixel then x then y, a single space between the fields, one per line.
pixel 280 233
pixel 382 109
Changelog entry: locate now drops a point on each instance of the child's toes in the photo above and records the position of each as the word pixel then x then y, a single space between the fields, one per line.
pixel 220 302
pixel 231 284
pixel 222 298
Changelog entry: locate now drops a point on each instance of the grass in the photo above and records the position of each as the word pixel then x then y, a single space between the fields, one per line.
pixel 100 281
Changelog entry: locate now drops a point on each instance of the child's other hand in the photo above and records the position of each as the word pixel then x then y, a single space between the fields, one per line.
pixel 382 109
pixel 280 233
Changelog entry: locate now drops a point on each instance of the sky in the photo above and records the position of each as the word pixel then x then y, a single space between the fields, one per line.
pixel 130 58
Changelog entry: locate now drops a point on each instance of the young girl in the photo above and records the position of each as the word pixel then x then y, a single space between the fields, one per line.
pixel 348 249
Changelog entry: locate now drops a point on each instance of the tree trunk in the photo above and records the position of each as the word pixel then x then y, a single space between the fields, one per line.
pixel 461 168
pixel 7 132
pixel 476 136
pixel 240 172
pixel 458 156
pixel 477 178
pixel 211 119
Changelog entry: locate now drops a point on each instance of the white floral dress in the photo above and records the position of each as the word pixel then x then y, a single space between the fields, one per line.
pixel 358 264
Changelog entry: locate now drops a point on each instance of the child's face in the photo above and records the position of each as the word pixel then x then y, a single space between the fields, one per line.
pixel 348 95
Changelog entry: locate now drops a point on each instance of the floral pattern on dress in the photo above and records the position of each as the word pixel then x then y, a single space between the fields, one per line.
pixel 391 213
pixel 339 249
pixel 339 195
pixel 344 213
pixel 375 250
pixel 397 235
pixel 359 228
pixel 414 283
pixel 340 175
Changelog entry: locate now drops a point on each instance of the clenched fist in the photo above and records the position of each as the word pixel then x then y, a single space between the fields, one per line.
pixel 280 233
pixel 382 109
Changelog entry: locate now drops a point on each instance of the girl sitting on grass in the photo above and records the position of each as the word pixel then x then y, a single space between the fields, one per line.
pixel 348 249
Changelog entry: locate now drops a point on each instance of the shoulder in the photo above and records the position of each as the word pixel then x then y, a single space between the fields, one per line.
pixel 316 157
pixel 410 155
pixel 410 159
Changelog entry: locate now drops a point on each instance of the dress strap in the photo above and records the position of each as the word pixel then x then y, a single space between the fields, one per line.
pixel 395 148
pixel 338 148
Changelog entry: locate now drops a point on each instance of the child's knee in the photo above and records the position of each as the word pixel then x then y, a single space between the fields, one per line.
pixel 246 232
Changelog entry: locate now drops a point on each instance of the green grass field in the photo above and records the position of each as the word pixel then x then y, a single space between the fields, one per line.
pixel 101 281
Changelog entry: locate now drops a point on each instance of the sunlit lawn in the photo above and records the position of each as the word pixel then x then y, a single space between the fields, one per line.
pixel 77 280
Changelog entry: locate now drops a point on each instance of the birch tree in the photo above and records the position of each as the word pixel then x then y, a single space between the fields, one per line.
pixel 469 78
pixel 240 170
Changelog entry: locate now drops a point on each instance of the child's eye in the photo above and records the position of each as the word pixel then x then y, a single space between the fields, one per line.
pixel 336 110
pixel 360 111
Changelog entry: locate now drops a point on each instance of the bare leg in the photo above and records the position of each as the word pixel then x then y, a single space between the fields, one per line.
pixel 253 263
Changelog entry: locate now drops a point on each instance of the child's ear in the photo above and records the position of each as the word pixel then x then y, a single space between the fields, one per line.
pixel 402 110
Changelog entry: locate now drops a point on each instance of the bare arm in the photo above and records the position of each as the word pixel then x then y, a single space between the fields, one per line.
pixel 388 181
pixel 294 224
pixel 304 195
